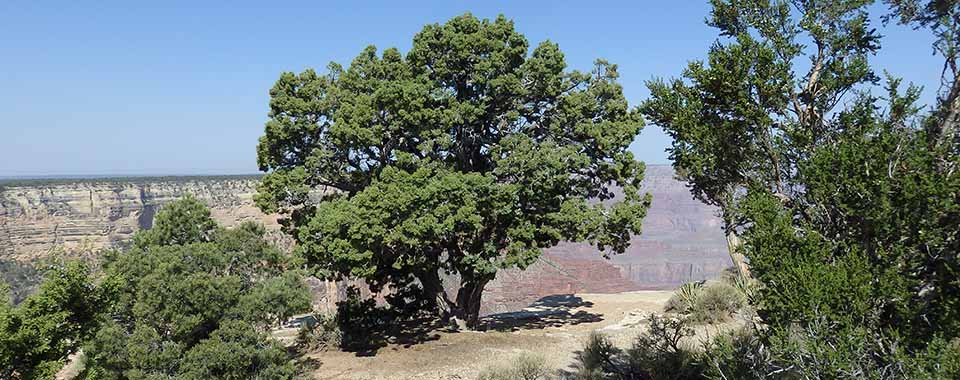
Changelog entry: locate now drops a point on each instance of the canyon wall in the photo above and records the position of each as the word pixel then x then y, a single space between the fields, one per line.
pixel 681 241
pixel 40 216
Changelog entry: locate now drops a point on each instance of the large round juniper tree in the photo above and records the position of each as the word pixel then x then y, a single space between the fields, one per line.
pixel 466 155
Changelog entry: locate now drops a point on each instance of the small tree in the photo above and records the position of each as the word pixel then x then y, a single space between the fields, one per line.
pixel 466 155
pixel 38 335
pixel 195 306
pixel 849 213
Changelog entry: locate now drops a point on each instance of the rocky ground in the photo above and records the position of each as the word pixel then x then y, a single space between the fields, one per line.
pixel 554 328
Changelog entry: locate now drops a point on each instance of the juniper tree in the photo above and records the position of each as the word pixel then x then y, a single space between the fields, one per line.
pixel 763 98
pixel 38 335
pixel 468 154
pixel 847 200
pixel 194 300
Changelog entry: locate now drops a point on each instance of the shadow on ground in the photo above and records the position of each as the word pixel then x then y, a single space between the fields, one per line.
pixel 551 311
pixel 403 333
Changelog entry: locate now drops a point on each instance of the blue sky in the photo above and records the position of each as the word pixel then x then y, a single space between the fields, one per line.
pixel 173 87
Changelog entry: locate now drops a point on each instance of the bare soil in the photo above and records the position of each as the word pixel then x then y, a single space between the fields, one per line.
pixel 554 328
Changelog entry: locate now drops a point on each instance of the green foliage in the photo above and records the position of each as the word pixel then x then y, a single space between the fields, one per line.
pixel 848 214
pixel 237 351
pixel 523 367
pixel 657 354
pixel 468 154
pixel 185 221
pixel 739 354
pixel 683 300
pixel 942 19
pixel 37 335
pixel 707 303
pixel 737 118
pixel 198 305
pixel 896 199
pixel 826 350
pixel 660 354
pixel 763 98
pixel 322 333
pixel 717 303
pixel 598 359
pixel 804 275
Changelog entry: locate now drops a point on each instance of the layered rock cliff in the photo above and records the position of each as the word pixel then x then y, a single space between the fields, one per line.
pixel 681 241
pixel 40 215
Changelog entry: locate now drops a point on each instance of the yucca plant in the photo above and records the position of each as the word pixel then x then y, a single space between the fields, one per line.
pixel 685 297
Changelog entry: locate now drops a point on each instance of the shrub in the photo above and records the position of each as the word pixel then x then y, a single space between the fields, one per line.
pixel 599 359
pixel 684 298
pixel 716 303
pixel 710 303
pixel 322 333
pixel 657 354
pixel 737 354
pixel 524 367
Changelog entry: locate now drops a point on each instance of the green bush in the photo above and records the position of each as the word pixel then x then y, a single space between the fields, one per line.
pixel 524 367
pixel 710 303
pixel 195 303
pixel 322 333
pixel 685 297
pixel 599 359
pixel 717 303
pixel 657 354
pixel 737 354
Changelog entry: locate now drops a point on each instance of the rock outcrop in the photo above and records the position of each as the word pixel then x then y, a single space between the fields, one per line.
pixel 39 216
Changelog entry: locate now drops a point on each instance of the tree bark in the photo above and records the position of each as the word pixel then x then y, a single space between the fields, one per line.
pixel 468 301
pixel 464 312
pixel 739 260
pixel 433 288
pixel 947 127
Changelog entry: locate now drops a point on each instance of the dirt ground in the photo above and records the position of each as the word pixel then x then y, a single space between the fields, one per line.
pixel 554 328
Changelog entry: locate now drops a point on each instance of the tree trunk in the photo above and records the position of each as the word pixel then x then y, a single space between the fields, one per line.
pixel 462 314
pixel 951 113
pixel 433 288
pixel 468 301
pixel 734 244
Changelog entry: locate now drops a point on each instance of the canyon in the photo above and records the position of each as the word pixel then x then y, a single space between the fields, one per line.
pixel 681 240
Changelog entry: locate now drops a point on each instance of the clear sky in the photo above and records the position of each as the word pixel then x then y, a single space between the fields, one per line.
pixel 175 87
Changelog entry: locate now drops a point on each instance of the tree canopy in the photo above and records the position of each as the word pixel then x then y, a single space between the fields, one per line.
pixel 38 335
pixel 846 200
pixel 468 154
pixel 765 96
pixel 193 300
